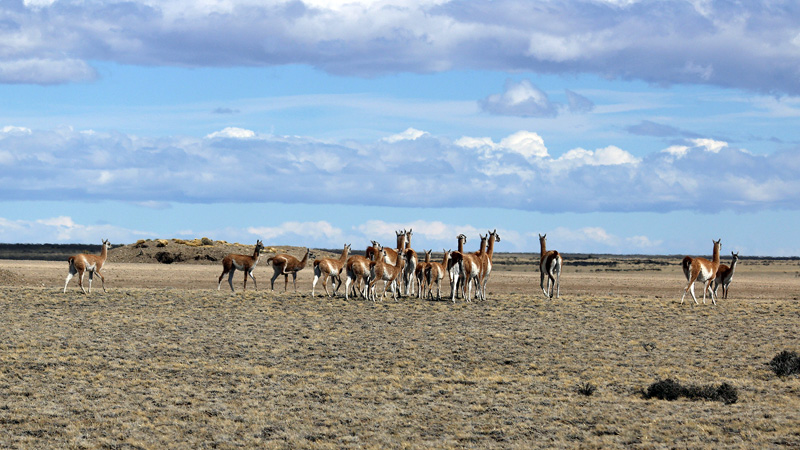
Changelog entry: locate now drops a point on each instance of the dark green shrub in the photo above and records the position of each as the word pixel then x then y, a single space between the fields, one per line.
pixel 672 390
pixel 785 363
pixel 727 394
pixel 665 390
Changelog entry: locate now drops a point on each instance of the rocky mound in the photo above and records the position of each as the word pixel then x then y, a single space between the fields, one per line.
pixel 197 251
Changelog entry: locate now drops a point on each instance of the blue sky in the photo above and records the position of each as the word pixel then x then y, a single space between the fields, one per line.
pixel 614 126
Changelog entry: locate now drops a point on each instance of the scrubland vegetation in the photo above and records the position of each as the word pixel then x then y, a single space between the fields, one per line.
pixel 164 360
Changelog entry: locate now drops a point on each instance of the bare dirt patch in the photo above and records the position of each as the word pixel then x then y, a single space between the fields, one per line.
pixel 164 360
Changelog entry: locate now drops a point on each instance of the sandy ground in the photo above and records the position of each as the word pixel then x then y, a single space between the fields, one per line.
pixel 164 360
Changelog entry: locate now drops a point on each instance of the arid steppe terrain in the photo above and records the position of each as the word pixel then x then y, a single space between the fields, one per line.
pixel 165 360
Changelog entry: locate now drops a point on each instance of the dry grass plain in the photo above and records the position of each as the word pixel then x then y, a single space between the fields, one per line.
pixel 164 360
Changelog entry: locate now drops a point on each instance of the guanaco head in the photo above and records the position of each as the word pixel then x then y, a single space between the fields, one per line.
pixel 735 257
pixel 259 247
pixel 106 244
pixel 401 239
pixel 494 233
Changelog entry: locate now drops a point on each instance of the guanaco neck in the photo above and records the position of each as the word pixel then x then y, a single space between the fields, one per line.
pixel 401 241
pixel 716 253
pixel 256 253
pixel 399 262
pixel 104 251
pixel 461 241
pixel 376 251
pixel 343 258
pixel 305 258
pixel 482 251
pixel 492 239
pixel 543 244
pixel 733 263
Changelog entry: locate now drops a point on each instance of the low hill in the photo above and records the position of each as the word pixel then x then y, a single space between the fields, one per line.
pixel 165 251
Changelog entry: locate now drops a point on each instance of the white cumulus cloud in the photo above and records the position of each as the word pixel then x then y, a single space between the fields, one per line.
pixel 520 99
pixel 703 144
pixel 607 156
pixel 12 130
pixel 233 133
pixel 525 143
pixel 410 134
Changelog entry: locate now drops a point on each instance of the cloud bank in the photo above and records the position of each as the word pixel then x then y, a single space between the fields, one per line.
pixel 664 42
pixel 412 168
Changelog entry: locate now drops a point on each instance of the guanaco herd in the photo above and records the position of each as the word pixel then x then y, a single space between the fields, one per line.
pixel 403 273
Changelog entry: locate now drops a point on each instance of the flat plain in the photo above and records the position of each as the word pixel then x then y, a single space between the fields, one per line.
pixel 165 360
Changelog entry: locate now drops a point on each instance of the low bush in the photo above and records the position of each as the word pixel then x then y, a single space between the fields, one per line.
pixel 672 390
pixel 785 363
